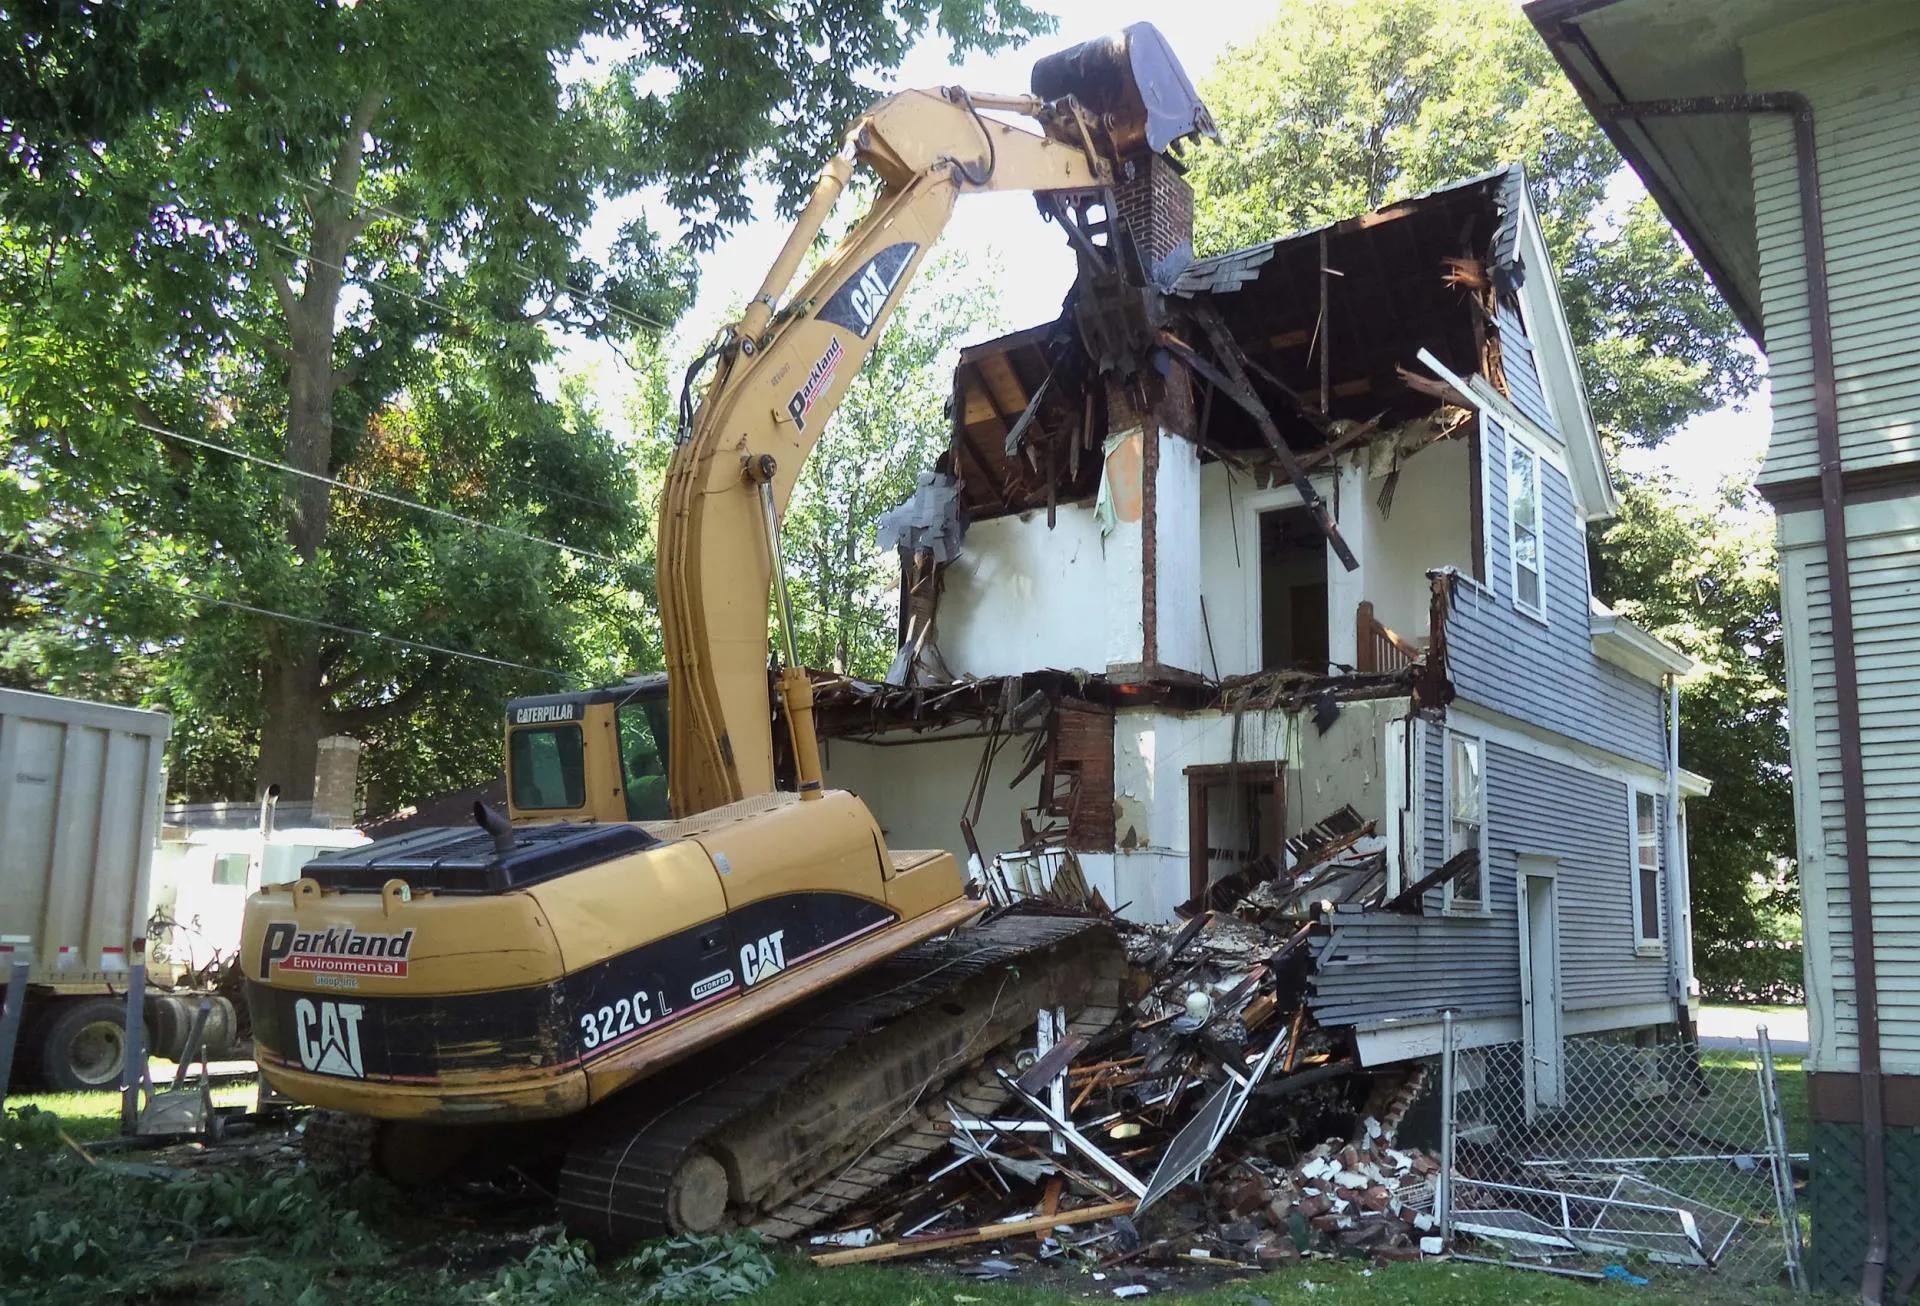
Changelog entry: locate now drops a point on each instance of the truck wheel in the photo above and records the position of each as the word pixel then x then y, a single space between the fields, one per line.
pixel 85 1046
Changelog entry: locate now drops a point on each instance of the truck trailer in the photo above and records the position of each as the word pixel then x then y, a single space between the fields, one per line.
pixel 81 788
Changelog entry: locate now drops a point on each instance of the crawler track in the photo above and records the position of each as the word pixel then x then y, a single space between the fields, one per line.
pixel 807 1112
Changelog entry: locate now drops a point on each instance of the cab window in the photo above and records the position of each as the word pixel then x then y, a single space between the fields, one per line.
pixel 548 769
pixel 643 758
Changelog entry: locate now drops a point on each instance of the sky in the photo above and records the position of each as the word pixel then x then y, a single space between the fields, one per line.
pixel 1035 264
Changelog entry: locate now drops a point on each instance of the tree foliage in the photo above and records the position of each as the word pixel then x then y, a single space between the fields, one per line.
pixel 344 237
pixel 1341 106
pixel 1704 577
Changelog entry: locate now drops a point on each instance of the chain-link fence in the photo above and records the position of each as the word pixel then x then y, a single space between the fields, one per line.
pixel 1602 1154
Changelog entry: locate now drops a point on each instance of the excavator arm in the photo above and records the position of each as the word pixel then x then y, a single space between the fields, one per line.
pixel 783 371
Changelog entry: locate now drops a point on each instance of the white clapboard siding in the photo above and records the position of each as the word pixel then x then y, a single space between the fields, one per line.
pixel 1884 557
pixel 1867 118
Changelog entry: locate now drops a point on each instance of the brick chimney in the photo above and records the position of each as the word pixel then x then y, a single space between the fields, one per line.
pixel 336 781
pixel 1157 205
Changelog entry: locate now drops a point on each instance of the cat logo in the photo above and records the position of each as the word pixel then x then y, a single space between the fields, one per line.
pixel 858 303
pixel 763 959
pixel 329 1037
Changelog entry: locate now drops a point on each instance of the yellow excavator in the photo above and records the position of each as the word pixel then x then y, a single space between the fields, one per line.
pixel 679 965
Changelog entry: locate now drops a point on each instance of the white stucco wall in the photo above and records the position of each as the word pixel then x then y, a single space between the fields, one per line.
pixel 1021 597
pixel 1152 750
pixel 1430 526
pixel 916 791
pixel 1177 631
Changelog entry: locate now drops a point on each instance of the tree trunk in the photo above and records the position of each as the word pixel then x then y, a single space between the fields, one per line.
pixel 294 721
pixel 294 697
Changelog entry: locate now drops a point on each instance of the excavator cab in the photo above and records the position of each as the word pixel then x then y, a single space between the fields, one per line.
pixel 592 755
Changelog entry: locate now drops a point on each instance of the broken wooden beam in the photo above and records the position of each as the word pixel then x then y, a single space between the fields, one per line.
pixel 984 1233
pixel 1408 899
pixel 1235 385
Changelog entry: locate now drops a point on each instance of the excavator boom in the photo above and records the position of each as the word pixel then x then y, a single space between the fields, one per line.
pixel 787 363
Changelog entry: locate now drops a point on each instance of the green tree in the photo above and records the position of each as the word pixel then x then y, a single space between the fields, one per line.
pixel 891 426
pixel 1704 577
pixel 342 235
pixel 1340 106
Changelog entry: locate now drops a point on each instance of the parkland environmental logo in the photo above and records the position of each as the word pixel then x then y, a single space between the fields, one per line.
pixel 341 950
pixel 818 379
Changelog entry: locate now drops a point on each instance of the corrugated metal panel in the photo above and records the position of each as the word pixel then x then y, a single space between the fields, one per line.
pixel 79 813
pixel 1546 673
pixel 1867 115
pixel 1886 587
pixel 1588 831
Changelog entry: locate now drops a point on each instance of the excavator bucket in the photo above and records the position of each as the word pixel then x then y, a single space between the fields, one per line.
pixel 1132 85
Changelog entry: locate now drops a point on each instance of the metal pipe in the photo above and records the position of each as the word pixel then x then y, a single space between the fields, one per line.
pixel 133 1071
pixel 10 1018
pixel 1679 878
pixel 1443 1182
pixel 1833 506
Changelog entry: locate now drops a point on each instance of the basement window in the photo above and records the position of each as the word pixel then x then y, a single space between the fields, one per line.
pixel 1293 592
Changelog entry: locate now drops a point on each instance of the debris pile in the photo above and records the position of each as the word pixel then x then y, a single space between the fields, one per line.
pixel 1213 1124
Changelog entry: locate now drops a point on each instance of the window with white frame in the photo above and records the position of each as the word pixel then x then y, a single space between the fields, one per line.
pixel 1646 871
pixel 1466 807
pixel 1523 521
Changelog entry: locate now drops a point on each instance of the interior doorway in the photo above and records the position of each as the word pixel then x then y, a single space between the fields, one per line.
pixel 1293 591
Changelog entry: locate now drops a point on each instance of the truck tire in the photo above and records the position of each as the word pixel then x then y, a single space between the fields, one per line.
pixel 85 1046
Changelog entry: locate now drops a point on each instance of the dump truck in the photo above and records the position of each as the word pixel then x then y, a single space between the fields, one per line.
pixel 81 788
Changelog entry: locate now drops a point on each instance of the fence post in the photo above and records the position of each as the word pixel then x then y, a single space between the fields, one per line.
pixel 10 1019
pixel 1443 1182
pixel 1780 1162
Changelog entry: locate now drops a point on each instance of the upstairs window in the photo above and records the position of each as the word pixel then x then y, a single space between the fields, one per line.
pixel 1466 793
pixel 1646 872
pixel 1523 518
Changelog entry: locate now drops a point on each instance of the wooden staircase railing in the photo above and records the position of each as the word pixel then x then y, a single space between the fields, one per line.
pixel 1379 651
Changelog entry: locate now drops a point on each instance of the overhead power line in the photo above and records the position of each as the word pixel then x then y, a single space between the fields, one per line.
pixel 383 497
pixel 633 317
pixel 418 646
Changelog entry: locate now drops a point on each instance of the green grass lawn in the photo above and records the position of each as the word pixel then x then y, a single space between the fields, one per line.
pixel 1789 1073
pixel 1434 1283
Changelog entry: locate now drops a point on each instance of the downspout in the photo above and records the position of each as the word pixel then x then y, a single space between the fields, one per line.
pixel 1679 877
pixel 1833 507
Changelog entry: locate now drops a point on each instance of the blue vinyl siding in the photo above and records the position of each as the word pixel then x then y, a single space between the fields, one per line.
pixel 1546 672
pixel 1379 968
pixel 1585 821
pixel 1523 372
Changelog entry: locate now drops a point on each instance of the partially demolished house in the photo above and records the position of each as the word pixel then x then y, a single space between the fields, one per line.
pixel 1300 610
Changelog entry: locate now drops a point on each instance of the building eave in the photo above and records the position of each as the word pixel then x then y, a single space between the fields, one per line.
pixel 1634 650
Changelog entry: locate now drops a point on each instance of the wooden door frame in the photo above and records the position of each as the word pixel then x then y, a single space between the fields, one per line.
pixel 1199 779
